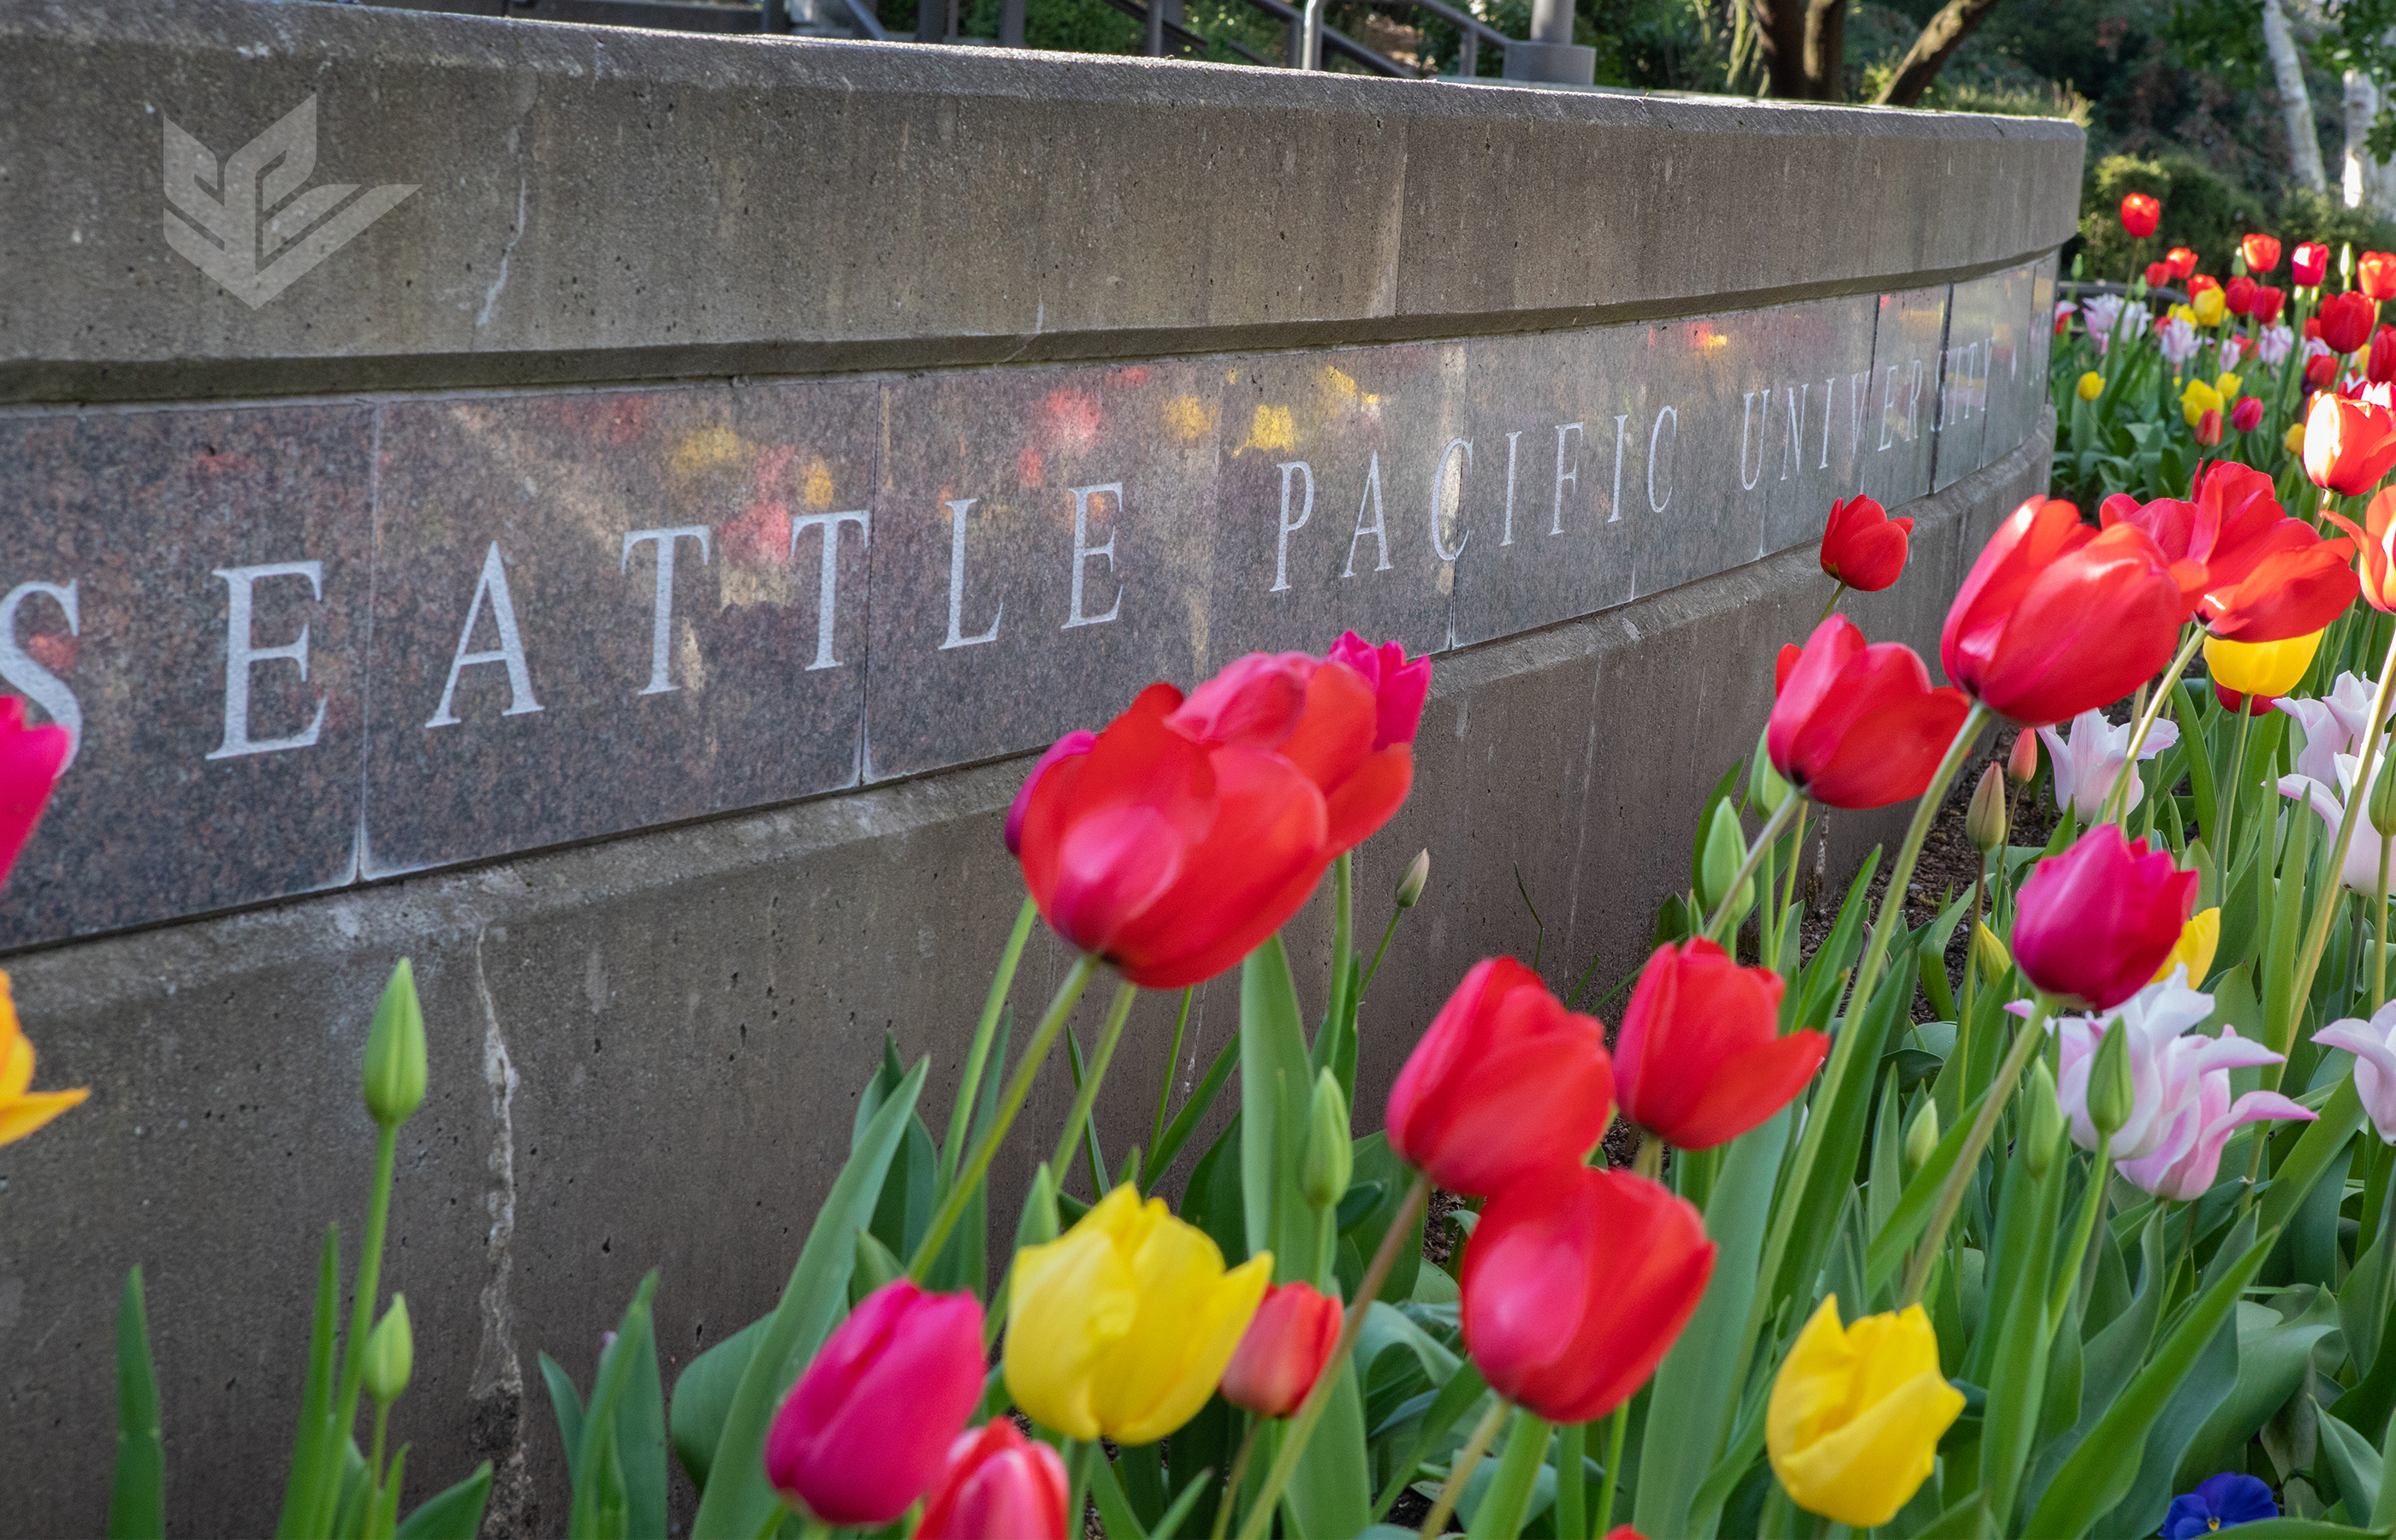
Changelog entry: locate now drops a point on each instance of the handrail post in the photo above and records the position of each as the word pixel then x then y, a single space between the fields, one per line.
pixel 1468 62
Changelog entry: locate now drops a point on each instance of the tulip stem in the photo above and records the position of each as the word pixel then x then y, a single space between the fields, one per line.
pixel 2117 799
pixel 1836 594
pixel 1172 1061
pixel 1789 887
pixel 2379 933
pixel 1309 1411
pixel 1572 1487
pixel 2067 1282
pixel 1648 1161
pixel 2309 960
pixel 2228 814
pixel 1617 1430
pixel 1239 1474
pixel 1849 1043
pixel 1435 1522
pixel 1967 1161
pixel 1726 914
pixel 1343 933
pixel 1365 982
pixel 1010 1102
pixel 985 1032
pixel 1086 1097
pixel 353 1351
pixel 1078 1456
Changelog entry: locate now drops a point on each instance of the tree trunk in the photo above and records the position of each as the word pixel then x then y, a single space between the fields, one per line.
pixel 1940 38
pixel 1780 37
pixel 2295 105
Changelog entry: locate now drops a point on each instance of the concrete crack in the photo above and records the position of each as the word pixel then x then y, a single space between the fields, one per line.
pixel 496 1392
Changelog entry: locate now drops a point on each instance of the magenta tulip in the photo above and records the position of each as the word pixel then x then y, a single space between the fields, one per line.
pixel 2094 923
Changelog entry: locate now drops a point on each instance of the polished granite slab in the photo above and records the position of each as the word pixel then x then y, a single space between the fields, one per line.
pixel 304 645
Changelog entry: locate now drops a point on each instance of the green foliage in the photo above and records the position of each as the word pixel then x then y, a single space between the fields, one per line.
pixel 137 1503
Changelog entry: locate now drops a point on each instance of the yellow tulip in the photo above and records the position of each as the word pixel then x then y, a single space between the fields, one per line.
pixel 2294 440
pixel 2197 941
pixel 2260 668
pixel 2198 399
pixel 2092 385
pixel 1855 1415
pixel 2228 386
pixel 2183 312
pixel 2211 306
pixel 20 1113
pixel 1124 1324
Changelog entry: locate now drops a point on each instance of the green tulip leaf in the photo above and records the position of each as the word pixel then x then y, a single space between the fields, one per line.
pixel 455 1513
pixel 136 1500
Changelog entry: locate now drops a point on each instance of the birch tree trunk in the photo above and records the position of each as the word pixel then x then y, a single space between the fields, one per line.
pixel 2288 73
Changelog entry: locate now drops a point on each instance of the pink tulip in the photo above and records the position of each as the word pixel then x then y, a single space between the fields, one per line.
pixel 31 759
pixel 999 1483
pixel 867 1428
pixel 2094 923
pixel 1399 687
pixel 2373 1044
pixel 2193 1106
pixel 2154 1019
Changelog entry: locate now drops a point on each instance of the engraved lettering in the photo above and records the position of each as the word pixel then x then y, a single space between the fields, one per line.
pixel 1306 510
pixel 1859 396
pixel 243 653
pixel 1887 399
pixel 1506 538
pixel 1792 452
pixel 492 586
pixel 23 673
pixel 1564 476
pixel 1445 494
pixel 1913 403
pixel 1084 553
pixel 661 616
pixel 827 577
pixel 957 512
pixel 1378 528
pixel 1654 503
pixel 1615 507
pixel 1746 424
pixel 1830 388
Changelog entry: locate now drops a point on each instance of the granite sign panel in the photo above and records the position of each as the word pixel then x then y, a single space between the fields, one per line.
pixel 303 645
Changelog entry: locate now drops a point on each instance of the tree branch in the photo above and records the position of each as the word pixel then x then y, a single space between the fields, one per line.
pixel 1943 35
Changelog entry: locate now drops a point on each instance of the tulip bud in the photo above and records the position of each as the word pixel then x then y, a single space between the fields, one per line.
pixel 1037 1225
pixel 1725 849
pixel 2247 415
pixel 2383 800
pixel 394 1075
pixel 1410 886
pixel 2092 385
pixel 2111 1096
pixel 1986 821
pixel 1921 1137
pixel 1330 1150
pixel 2021 765
pixel 391 1354
pixel 2043 1129
pixel 1771 791
pixel 1287 1343
pixel 2208 427
pixel 1990 955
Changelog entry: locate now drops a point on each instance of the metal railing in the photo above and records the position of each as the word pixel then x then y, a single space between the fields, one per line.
pixel 940 20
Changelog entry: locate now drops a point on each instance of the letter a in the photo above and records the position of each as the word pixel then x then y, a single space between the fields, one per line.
pixel 1378 528
pixel 511 651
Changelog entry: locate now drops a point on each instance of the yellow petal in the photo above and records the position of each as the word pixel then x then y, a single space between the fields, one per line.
pixel 2198 941
pixel 1182 1358
pixel 2261 668
pixel 1864 1472
pixel 21 1115
pixel 1069 1303
pixel 15 1067
pixel 1810 1394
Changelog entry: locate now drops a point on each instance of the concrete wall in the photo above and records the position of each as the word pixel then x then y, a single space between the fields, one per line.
pixel 647 1047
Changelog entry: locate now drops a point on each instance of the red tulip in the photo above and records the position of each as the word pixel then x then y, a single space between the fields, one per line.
pixel 2348 444
pixel 867 1429
pixel 2140 213
pixel 2239 295
pixel 2199 282
pixel 1862 547
pixel 2094 923
pixel 2321 370
pixel 1078 741
pixel 31 759
pixel 2375 548
pixel 2247 415
pixel 1701 1059
pixel 2181 260
pixel 2158 275
pixel 1399 687
pixel 2208 427
pixel 1576 1282
pixel 1784 665
pixel 1859 726
pixel 998 1483
pixel 2309 265
pixel 1172 858
pixel 2267 302
pixel 2262 252
pixel 2345 321
pixel 2375 274
pixel 2056 619
pixel 1289 1339
pixel 2232 702
pixel 2021 760
pixel 1325 716
pixel 1505 1079
pixel 2249 571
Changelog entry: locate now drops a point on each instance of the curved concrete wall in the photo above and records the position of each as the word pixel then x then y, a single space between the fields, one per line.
pixel 695 472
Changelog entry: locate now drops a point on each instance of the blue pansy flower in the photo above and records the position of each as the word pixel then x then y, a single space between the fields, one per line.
pixel 2219 1503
